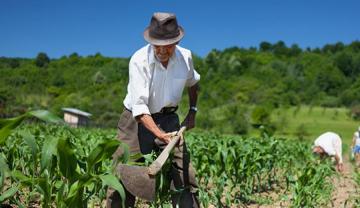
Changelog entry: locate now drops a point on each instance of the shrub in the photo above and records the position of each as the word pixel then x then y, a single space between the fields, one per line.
pixel 355 112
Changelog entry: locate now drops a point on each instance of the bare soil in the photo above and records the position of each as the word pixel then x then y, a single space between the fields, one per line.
pixel 344 187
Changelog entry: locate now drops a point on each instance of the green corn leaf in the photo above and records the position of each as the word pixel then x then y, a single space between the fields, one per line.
pixel 74 189
pixel 75 196
pixel 30 141
pixel 113 182
pixel 43 185
pixel 3 170
pixel 3 123
pixel 21 177
pixel 60 194
pixel 48 150
pixel 126 153
pixel 8 193
pixel 46 116
pixel 134 157
pixel 67 159
pixel 103 150
pixel 94 156
pixel 77 188
pixel 7 125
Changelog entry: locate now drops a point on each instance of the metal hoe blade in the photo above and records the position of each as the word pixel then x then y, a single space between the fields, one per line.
pixel 140 181
pixel 137 181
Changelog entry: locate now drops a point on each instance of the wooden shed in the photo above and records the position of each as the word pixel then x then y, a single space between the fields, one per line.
pixel 75 117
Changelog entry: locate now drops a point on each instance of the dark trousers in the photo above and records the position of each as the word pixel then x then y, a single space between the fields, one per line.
pixel 142 140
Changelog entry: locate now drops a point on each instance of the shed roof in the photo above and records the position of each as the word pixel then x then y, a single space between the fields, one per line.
pixel 76 111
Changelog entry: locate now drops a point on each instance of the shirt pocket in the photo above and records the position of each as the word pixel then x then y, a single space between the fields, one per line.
pixel 177 88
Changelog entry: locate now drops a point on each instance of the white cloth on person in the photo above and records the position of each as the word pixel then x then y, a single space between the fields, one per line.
pixel 357 138
pixel 331 143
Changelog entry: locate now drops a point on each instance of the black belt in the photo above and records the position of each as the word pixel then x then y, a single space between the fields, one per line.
pixel 164 110
pixel 167 110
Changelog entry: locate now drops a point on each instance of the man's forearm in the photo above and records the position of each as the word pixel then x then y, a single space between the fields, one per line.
pixel 337 158
pixel 193 94
pixel 149 123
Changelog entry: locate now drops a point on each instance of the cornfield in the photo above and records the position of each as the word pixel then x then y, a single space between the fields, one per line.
pixel 52 165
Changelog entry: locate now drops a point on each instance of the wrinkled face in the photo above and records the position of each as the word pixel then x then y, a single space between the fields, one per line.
pixel 163 53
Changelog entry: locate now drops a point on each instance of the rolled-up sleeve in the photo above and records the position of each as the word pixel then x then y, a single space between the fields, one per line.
pixel 193 75
pixel 138 89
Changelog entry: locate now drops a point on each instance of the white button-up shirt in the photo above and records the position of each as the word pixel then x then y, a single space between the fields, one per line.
pixel 151 86
pixel 331 143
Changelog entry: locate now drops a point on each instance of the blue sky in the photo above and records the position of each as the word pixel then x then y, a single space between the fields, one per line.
pixel 114 28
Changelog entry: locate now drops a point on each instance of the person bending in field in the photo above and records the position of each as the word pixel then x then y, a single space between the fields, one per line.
pixel 356 146
pixel 329 144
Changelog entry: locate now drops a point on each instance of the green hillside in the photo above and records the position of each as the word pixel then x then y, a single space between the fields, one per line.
pixel 242 89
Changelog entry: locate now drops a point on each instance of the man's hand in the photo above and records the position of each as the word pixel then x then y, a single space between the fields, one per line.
pixel 149 123
pixel 189 121
pixel 340 167
pixel 166 137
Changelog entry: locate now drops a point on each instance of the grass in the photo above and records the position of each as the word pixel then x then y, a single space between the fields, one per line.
pixel 315 121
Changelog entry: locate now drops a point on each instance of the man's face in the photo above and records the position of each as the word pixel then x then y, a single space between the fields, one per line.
pixel 163 53
pixel 318 150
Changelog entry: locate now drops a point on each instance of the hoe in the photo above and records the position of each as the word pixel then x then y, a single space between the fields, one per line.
pixel 139 180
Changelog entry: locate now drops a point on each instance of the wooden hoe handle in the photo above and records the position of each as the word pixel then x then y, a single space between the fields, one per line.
pixel 156 166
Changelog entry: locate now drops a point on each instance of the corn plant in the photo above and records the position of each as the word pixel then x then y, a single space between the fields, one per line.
pixel 232 169
pixel 53 167
pixel 357 179
pixel 355 200
pixel 313 186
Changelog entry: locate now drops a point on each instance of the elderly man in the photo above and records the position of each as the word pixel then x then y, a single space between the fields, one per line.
pixel 329 144
pixel 158 74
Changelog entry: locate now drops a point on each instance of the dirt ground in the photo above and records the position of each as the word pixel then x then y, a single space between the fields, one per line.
pixel 345 187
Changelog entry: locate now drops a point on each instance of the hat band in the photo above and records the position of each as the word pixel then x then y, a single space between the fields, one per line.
pixel 163 35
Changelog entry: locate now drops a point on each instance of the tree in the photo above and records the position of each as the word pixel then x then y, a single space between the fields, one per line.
pixel 280 49
pixel 74 58
pixel 265 46
pixel 260 115
pixel 330 79
pixel 343 61
pixel 42 60
pixel 9 62
pixel 295 50
pixel 333 48
pixel 98 78
pixel 355 46
pixel 14 63
pixel 355 112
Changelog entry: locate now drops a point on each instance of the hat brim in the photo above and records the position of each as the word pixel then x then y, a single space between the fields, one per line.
pixel 160 42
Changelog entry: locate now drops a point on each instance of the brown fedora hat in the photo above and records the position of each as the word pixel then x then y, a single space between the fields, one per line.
pixel 163 29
